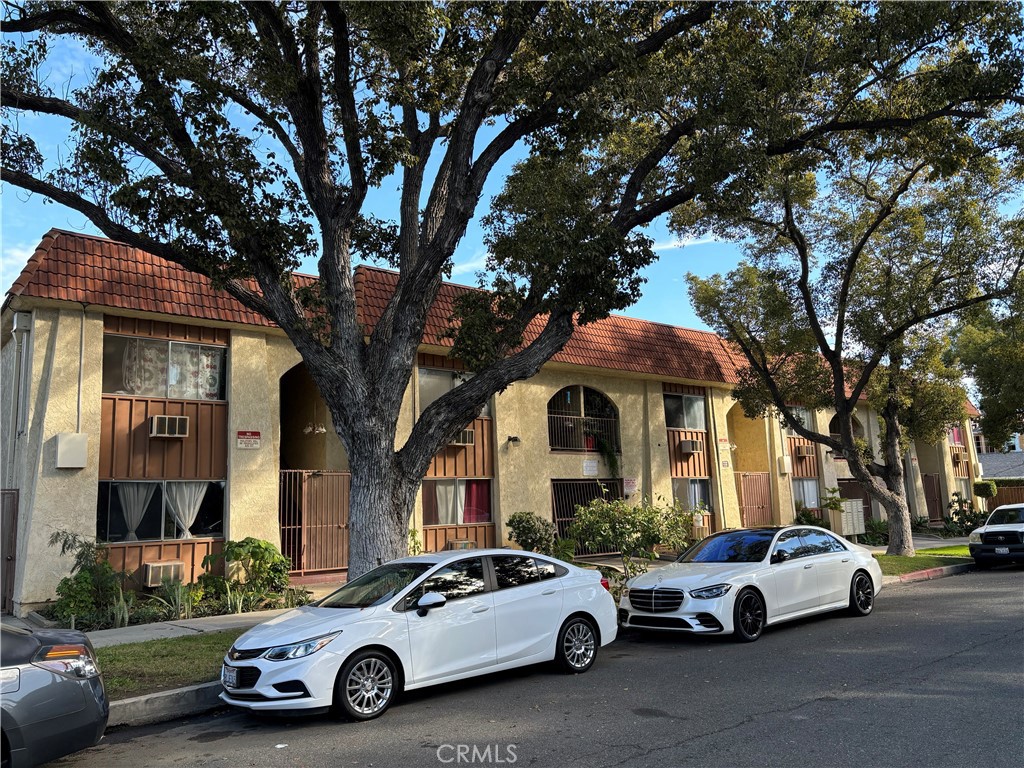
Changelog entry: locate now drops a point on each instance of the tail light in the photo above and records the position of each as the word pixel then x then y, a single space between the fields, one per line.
pixel 71 660
pixel 605 583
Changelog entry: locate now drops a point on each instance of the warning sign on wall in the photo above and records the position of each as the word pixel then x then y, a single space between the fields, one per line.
pixel 247 439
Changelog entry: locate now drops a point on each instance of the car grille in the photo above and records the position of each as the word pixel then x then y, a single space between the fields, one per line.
pixel 1001 537
pixel 248 677
pixel 656 600
pixel 250 653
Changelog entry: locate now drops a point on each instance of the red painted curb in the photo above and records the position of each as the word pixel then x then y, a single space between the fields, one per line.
pixel 936 573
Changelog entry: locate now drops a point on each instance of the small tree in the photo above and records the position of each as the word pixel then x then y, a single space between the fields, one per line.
pixel 985 489
pixel 633 531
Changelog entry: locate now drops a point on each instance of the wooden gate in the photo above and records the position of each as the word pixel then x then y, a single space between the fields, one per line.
pixel 566 495
pixel 9 548
pixel 313 514
pixel 931 498
pixel 755 491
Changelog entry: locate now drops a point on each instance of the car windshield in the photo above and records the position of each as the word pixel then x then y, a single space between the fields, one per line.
pixel 375 587
pixel 731 547
pixel 1007 516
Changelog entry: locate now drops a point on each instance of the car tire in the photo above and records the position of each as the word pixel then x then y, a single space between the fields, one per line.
pixel 862 594
pixel 366 686
pixel 576 648
pixel 748 616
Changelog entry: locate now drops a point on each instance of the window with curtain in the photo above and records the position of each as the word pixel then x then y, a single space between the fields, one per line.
pixel 159 510
pixel 435 382
pixel 801 414
pixel 685 412
pixel 694 491
pixel 156 368
pixel 456 502
pixel 805 493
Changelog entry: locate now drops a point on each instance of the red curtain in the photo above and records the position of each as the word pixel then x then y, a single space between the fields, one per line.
pixel 478 502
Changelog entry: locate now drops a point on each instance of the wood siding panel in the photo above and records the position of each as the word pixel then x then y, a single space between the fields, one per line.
pixel 682 389
pixel 436 537
pixel 961 467
pixel 128 453
pixel 803 466
pixel 426 360
pixel 156 329
pixel 475 460
pixel 685 464
pixel 131 557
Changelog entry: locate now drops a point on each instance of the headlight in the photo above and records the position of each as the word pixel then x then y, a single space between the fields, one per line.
pixel 298 650
pixel 71 660
pixel 706 593
pixel 974 538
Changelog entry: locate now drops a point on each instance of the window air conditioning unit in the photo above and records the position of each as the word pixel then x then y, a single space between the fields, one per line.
pixel 805 450
pixel 155 573
pixel 691 446
pixel 168 426
pixel 465 437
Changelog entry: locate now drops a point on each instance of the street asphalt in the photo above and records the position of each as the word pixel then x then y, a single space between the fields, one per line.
pixel 934 677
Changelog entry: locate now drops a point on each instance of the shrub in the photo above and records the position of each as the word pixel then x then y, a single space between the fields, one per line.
pixel 985 489
pixel 963 517
pixel 265 568
pixel 675 525
pixel 807 517
pixel 633 531
pixel 87 598
pixel 532 532
pixel 876 533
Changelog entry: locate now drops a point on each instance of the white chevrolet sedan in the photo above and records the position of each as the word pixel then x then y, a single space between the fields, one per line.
pixel 744 580
pixel 421 621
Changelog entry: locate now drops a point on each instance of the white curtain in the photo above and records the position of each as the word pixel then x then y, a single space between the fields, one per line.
pixel 184 500
pixel 144 368
pixel 451 501
pixel 135 498
pixel 194 372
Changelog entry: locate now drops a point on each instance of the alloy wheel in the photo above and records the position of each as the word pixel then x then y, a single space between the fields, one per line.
pixel 749 616
pixel 579 645
pixel 369 686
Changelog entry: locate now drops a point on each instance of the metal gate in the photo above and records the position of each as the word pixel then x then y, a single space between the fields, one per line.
pixel 566 495
pixel 313 514
pixel 8 550
pixel 931 498
pixel 755 491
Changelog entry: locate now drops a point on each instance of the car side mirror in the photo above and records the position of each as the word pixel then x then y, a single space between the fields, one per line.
pixel 428 601
pixel 780 556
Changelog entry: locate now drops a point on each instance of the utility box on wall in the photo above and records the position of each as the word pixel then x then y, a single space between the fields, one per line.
pixel 72 450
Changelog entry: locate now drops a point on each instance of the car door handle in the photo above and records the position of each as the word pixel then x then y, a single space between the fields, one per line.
pixel 549 592
pixel 846 559
pixel 480 608
pixel 808 566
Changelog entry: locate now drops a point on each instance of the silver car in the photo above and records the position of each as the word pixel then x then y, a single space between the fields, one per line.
pixel 53 701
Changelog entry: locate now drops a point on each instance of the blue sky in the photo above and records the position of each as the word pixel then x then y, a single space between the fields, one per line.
pixel 25 218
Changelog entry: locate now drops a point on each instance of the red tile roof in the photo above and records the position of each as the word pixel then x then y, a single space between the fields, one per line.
pixel 82 268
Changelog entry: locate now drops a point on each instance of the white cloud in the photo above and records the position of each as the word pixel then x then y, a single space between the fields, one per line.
pixel 672 245
pixel 12 262
pixel 471 267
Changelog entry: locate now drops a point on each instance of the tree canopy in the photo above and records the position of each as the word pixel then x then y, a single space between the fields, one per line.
pixel 238 139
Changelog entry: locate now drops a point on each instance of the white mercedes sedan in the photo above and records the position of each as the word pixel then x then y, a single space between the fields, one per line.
pixel 421 621
pixel 742 581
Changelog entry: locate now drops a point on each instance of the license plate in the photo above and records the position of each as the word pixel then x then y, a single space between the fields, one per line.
pixel 1002 550
pixel 229 676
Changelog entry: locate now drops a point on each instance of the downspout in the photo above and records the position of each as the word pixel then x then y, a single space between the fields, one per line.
pixel 22 327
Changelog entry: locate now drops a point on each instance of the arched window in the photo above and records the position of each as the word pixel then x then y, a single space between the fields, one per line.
pixel 833 429
pixel 582 419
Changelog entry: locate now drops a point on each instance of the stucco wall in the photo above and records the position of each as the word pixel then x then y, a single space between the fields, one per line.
pixel 56 499
pixel 257 362
pixel 8 355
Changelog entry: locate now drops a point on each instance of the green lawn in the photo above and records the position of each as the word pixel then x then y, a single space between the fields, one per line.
pixel 159 665
pixel 894 565
pixel 961 550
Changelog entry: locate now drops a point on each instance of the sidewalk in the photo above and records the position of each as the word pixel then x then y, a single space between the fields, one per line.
pixel 193 700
